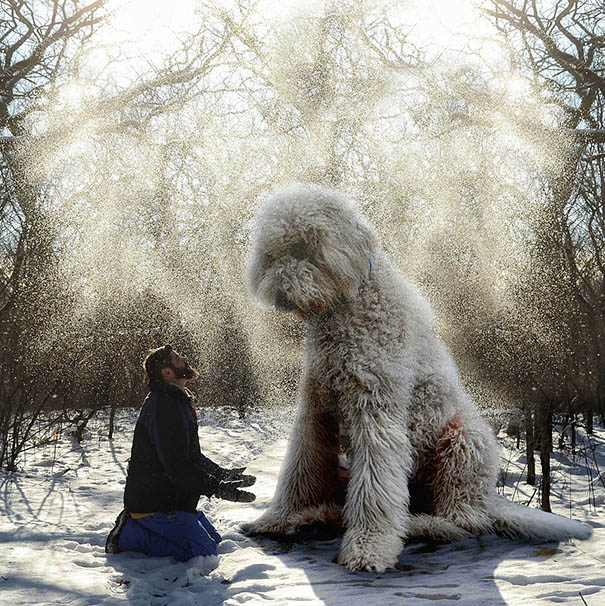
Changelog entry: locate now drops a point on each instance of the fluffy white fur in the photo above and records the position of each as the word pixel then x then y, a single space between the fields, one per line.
pixel 377 380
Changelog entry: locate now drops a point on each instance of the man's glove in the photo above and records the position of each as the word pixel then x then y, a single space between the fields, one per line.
pixel 229 490
pixel 231 481
pixel 237 475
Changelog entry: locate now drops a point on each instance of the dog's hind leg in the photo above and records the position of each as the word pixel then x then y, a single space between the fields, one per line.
pixel 435 528
pixel 465 471
pixel 464 496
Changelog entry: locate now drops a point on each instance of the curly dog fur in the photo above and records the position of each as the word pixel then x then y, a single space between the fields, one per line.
pixel 378 382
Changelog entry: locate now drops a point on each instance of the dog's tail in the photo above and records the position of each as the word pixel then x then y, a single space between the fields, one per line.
pixel 514 520
pixel 504 518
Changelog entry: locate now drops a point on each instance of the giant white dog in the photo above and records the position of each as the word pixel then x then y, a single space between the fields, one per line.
pixel 378 382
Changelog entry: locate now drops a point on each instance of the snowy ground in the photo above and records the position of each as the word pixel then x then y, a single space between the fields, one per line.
pixel 57 512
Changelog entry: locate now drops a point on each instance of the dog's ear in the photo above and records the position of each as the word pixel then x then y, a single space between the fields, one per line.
pixel 367 237
pixel 346 268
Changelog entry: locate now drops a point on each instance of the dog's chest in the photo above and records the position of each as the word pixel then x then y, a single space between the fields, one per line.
pixel 337 356
pixel 352 354
pixel 339 418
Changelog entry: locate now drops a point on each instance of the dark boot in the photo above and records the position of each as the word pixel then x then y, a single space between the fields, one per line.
pixel 111 545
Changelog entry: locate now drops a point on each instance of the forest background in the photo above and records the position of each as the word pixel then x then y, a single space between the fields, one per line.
pixel 132 160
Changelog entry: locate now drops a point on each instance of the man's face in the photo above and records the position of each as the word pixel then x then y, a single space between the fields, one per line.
pixel 180 367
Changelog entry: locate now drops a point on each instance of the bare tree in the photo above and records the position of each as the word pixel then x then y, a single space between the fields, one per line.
pixel 42 45
pixel 559 47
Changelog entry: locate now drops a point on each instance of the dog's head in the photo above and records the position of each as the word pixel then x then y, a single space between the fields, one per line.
pixel 310 247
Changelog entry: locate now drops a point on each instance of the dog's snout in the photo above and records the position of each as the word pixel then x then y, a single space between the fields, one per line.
pixel 282 302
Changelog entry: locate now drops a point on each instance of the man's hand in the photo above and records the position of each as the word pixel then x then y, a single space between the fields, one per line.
pixel 229 490
pixel 231 481
pixel 237 474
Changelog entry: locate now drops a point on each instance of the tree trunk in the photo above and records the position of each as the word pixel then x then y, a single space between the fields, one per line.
pixel 530 446
pixel 588 414
pixel 564 426
pixel 545 422
pixel 112 416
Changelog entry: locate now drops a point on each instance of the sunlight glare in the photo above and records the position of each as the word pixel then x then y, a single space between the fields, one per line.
pixel 452 32
pixel 148 21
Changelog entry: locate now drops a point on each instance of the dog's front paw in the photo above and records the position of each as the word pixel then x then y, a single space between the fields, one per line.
pixel 270 523
pixel 369 551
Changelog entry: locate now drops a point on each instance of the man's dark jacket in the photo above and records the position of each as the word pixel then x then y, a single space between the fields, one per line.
pixel 167 471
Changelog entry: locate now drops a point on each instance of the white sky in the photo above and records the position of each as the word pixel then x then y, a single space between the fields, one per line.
pixel 144 32
pixel 442 24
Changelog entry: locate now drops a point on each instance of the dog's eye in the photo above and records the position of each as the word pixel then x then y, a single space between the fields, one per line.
pixel 300 251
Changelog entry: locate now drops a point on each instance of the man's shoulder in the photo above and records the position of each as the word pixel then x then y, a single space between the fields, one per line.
pixel 155 399
pixel 163 402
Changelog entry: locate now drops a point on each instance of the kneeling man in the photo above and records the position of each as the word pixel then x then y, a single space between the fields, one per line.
pixel 167 472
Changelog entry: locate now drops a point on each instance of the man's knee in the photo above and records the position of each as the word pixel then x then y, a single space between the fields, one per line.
pixel 208 527
pixel 180 535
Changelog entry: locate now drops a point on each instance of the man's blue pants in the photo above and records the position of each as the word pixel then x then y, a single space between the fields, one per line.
pixel 179 534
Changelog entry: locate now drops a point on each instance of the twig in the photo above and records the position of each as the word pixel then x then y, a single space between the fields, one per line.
pixel 596 462
pixel 533 495
pixel 591 494
pixel 518 480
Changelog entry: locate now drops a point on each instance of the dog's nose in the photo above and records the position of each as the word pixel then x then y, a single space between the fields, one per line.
pixel 282 302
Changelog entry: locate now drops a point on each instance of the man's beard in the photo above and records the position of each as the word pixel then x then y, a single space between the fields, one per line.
pixel 184 373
